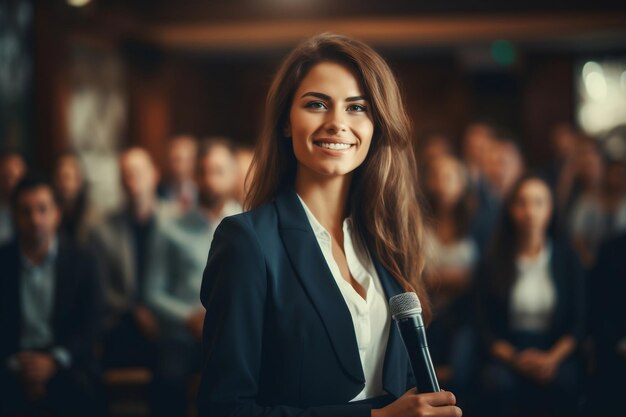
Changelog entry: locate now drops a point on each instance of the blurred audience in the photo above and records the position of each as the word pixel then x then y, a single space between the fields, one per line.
pixel 12 169
pixel 449 272
pixel 561 171
pixel 585 223
pixel 123 243
pixel 178 186
pixel 476 145
pixel 599 212
pixel 49 313
pixel 78 215
pixel 175 274
pixel 504 165
pixel 474 148
pixel 531 310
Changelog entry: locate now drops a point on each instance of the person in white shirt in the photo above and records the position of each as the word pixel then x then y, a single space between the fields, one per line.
pixel 449 272
pixel 531 310
pixel 174 275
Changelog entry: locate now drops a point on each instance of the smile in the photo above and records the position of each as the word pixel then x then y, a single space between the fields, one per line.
pixel 334 145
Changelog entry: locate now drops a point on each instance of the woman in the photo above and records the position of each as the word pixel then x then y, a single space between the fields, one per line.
pixel 78 215
pixel 531 308
pixel 449 274
pixel 296 290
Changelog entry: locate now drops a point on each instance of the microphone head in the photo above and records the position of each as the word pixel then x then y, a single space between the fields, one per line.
pixel 404 305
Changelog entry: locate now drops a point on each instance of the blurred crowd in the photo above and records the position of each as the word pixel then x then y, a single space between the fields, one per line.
pixel 126 283
pixel 526 274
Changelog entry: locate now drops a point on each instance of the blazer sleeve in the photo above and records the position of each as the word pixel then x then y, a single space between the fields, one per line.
pixel 234 292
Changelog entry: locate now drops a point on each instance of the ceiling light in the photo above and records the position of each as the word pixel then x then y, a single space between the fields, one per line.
pixel 78 3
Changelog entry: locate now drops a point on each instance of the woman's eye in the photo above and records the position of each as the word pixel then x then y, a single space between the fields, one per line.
pixel 315 105
pixel 357 108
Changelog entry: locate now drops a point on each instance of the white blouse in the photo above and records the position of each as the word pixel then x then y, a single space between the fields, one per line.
pixel 533 296
pixel 370 316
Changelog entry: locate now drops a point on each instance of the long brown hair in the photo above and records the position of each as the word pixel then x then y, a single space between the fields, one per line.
pixel 384 195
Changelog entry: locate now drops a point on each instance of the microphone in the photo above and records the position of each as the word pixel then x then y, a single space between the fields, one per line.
pixel 406 310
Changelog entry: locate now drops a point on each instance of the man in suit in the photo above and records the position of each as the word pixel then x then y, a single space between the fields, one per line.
pixel 179 187
pixel 123 244
pixel 49 305
pixel 175 274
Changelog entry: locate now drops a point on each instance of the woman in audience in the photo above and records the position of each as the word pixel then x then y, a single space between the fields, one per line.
pixel 531 309
pixel 77 215
pixel 448 273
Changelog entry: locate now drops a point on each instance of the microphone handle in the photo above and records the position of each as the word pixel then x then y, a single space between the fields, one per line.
pixel 414 335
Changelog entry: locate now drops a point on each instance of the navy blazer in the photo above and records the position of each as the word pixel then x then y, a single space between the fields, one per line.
pixel 278 336
pixel 76 304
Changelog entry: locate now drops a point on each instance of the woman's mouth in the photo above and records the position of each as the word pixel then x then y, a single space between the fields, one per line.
pixel 336 146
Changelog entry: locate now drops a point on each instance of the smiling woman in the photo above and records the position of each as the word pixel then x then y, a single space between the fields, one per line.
pixel 296 289
pixel 331 129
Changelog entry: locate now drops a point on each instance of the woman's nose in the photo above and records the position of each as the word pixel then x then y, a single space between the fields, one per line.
pixel 335 122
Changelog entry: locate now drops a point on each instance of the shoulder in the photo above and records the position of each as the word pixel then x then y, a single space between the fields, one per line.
pixel 262 221
pixel 243 236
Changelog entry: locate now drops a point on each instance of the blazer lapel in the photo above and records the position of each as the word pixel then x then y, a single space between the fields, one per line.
pixel 395 366
pixel 316 278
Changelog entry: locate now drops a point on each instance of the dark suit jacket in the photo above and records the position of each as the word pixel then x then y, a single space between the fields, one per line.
pixel 75 309
pixel 570 311
pixel 278 336
pixel 608 290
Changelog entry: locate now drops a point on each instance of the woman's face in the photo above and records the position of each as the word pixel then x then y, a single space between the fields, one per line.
pixel 68 178
pixel 330 122
pixel 445 181
pixel 532 207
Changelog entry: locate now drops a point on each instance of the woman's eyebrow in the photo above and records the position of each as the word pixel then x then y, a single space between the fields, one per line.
pixel 318 95
pixel 327 97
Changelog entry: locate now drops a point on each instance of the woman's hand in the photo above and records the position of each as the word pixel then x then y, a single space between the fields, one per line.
pixel 538 365
pixel 504 351
pixel 412 404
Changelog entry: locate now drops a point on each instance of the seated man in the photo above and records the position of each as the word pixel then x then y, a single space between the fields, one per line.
pixel 49 304
pixel 122 244
pixel 175 274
